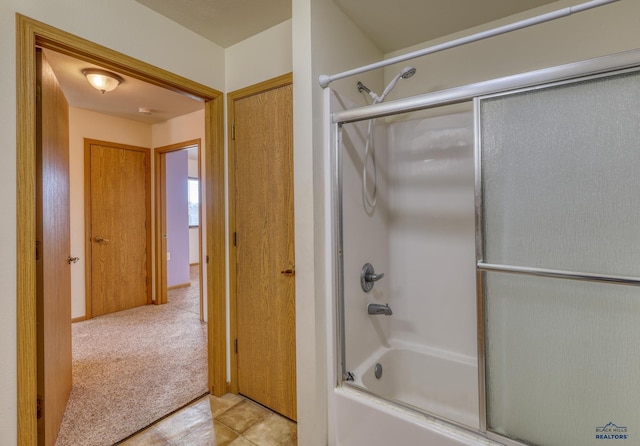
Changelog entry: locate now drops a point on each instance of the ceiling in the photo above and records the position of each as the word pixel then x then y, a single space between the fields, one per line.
pixel 223 22
pixel 390 24
pixel 125 101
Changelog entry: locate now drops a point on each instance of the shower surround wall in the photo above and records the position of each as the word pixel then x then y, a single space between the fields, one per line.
pixel 421 235
pixel 365 236
pixel 432 234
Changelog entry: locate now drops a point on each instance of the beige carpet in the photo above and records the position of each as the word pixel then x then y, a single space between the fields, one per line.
pixel 133 367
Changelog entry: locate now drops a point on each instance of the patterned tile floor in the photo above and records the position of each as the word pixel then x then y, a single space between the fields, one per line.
pixel 229 420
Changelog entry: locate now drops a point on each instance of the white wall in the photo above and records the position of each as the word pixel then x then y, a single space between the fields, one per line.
pixel 87 124
pixel 180 129
pixel 141 34
pixel 324 41
pixel 258 58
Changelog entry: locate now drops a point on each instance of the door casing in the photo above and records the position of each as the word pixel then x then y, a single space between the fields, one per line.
pixel 29 34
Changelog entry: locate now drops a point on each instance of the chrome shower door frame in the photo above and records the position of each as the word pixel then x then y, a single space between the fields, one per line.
pixel 601 66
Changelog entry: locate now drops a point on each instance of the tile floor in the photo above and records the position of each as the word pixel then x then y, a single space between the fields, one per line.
pixel 228 420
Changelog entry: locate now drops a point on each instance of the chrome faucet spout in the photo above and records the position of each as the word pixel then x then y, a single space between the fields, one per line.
pixel 379 309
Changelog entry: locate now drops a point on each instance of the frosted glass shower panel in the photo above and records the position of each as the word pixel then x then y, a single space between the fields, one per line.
pixel 562 360
pixel 560 168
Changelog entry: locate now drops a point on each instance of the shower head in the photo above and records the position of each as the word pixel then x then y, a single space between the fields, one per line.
pixel 405 73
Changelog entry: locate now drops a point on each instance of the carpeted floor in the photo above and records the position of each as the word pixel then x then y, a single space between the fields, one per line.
pixel 133 367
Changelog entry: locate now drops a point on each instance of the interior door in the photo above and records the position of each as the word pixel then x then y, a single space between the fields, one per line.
pixel 118 227
pixel 52 253
pixel 265 286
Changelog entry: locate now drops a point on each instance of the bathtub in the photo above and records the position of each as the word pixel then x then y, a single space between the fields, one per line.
pixel 439 383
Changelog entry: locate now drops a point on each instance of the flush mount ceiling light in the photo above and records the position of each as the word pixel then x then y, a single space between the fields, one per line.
pixel 102 80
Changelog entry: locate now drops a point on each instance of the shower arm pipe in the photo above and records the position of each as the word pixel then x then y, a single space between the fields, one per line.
pixel 325 79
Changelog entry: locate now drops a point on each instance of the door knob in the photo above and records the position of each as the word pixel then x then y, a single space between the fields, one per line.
pixel 99 239
pixel 289 272
pixel 71 260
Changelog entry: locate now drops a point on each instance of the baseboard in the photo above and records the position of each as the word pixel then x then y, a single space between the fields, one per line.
pixel 78 319
pixel 180 285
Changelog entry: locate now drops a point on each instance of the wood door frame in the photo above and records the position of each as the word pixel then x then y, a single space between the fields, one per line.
pixel 271 84
pixel 29 34
pixel 88 246
pixel 161 218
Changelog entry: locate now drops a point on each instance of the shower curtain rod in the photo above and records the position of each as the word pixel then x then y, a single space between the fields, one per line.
pixel 325 79
pixel 592 67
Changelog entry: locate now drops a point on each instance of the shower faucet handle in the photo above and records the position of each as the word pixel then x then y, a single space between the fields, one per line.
pixel 368 277
pixel 373 277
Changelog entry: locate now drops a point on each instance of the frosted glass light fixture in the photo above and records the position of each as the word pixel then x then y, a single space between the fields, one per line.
pixel 102 80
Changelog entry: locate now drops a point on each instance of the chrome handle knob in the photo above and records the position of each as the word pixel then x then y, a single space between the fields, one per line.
pixel 368 277
pixel 99 239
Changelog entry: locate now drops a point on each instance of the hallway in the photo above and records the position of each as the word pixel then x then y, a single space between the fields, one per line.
pixel 133 367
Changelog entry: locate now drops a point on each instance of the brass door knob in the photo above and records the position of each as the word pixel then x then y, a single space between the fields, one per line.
pixel 289 272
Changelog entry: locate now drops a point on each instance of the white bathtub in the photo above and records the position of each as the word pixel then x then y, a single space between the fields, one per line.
pixel 440 383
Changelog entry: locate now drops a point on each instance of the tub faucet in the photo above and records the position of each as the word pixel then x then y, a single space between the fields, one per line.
pixel 379 309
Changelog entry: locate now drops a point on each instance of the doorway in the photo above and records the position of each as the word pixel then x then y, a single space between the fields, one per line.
pixel 187 157
pixel 31 34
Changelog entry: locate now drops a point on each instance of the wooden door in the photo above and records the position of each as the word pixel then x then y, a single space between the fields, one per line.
pixel 264 280
pixel 118 226
pixel 53 274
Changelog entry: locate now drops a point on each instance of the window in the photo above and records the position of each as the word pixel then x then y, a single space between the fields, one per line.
pixel 194 202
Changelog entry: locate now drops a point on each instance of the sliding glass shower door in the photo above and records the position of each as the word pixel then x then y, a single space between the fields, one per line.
pixel 558 199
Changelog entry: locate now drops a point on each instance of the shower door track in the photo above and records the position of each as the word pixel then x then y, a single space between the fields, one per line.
pixel 560 274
